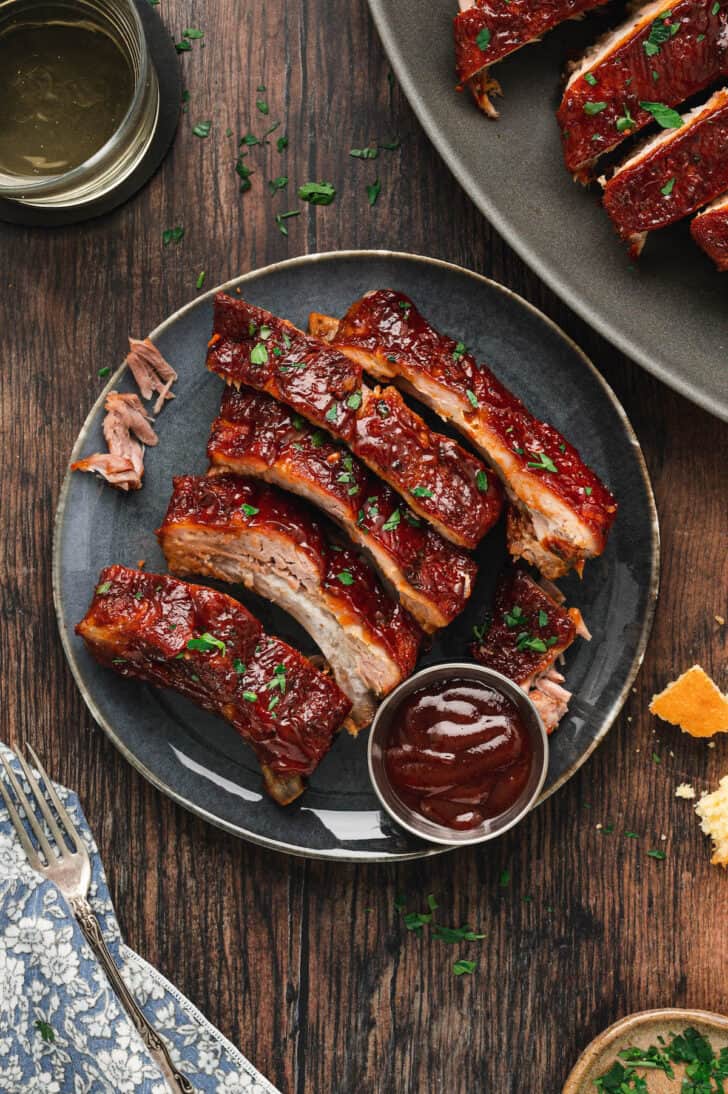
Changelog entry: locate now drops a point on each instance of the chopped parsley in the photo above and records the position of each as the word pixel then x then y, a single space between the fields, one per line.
pixel 239 666
pixel 459 351
pixel 278 184
pixel 660 32
pixel 472 398
pixel 544 463
pixel 200 279
pixel 705 1069
pixel 332 412
pixel 278 680
pixel 259 354
pixel 243 172
pixel 515 617
pixel 664 115
pixel 659 855
pixel 625 122
pixel 481 481
pixel 354 400
pixel 317 193
pixel 206 643
pixel 373 189
pixel 542 618
pixel 193 33
pixel 594 108
pixel 461 967
pixel 172 235
pixel 262 105
pixel 250 697
pixel 590 78
pixel 392 521
pixel 666 190
pixel 345 577
pixel 715 8
pixel 482 39
pixel 282 143
pixel 103 588
pixel 421 492
pixel 479 631
pixel 281 218
pixel 249 510
pixel 453 935
pixel 369 153
pixel 505 879
pixel 202 129
pixel 527 642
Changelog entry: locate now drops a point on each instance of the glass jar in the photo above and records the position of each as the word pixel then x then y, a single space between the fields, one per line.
pixel 116 159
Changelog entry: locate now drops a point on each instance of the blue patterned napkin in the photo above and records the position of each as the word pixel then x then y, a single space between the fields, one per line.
pixel 62 1030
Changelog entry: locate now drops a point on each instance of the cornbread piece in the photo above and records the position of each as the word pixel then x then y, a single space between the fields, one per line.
pixel 672 175
pixel 239 530
pixel 529 630
pixel 709 229
pixel 488 30
pixel 694 703
pixel 210 649
pixel 686 791
pixel 664 52
pixel 713 812
pixel 438 478
pixel 259 437
pixel 561 511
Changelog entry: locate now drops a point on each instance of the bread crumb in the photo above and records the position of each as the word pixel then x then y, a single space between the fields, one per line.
pixel 694 703
pixel 713 812
pixel 685 790
pixel 719 620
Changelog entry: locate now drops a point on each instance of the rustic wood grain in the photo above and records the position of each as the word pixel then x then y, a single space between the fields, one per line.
pixel 306 965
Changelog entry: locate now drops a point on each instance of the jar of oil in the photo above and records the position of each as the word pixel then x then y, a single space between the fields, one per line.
pixel 79 98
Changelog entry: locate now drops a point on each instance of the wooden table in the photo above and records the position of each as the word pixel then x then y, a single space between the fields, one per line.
pixel 307 966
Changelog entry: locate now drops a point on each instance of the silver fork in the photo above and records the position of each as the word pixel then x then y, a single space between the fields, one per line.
pixel 71 872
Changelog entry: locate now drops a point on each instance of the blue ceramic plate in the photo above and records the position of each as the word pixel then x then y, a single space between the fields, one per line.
pixel 669 310
pixel 200 761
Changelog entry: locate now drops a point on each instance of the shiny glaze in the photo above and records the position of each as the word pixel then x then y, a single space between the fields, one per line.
pixel 696 156
pixel 141 627
pixel 215 503
pixel 684 66
pixel 710 231
pixel 387 324
pixel 512 24
pixel 458 753
pixel 499 648
pixel 322 384
pixel 257 434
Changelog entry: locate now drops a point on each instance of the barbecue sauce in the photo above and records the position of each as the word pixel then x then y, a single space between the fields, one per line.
pixel 458 753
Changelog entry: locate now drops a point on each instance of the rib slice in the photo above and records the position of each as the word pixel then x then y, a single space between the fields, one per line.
pixel 238 530
pixel 529 630
pixel 491 29
pixel 436 476
pixel 665 52
pixel 709 229
pixel 672 175
pixel 209 648
pixel 561 511
pixel 259 437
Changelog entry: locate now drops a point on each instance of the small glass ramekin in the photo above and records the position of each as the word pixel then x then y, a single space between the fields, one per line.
pixel 123 151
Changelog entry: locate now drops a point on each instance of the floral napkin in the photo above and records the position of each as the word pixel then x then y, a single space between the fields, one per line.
pixel 62 1030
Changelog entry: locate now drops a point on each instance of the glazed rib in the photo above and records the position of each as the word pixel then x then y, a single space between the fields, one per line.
pixel 672 175
pixel 561 511
pixel 666 52
pixel 238 530
pixel 529 630
pixel 489 30
pixel 438 478
pixel 257 436
pixel 709 229
pixel 209 648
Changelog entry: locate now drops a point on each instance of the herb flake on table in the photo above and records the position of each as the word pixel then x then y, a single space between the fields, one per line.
pixel 369 153
pixel 281 218
pixel 463 967
pixel 374 189
pixel 200 279
pixel 277 184
pixel 172 235
pixel 104 372
pixel 317 193
pixel 202 129
pixel 659 855
pixel 243 172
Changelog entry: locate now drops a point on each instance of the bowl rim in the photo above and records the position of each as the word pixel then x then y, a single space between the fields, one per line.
pixel 427 830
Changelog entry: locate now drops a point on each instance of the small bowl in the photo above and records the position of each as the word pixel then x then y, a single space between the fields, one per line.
pixel 421 826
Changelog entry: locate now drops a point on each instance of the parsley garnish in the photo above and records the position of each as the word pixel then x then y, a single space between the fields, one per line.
pixel 544 463
pixel 715 8
pixel 527 642
pixel 202 129
pixel 666 190
pixel 515 617
pixel 206 643
pixel 462 966
pixel 259 354
pixel 193 32
pixel 281 217
pixel 250 697
pixel 458 352
pixel 421 492
pixel 625 122
pixel 369 153
pixel 345 577
pixel 238 666
pixel 200 279
pixel 664 115
pixel 317 193
pixel 542 618
pixel 278 184
pixel 354 400
pixel 594 108
pixel 172 235
pixel 472 398
pixel 481 481
pixel 332 412
pixel 249 510
pixel 482 39
pixel 243 172
pixel 374 189
pixel 392 522
pixel 660 32
pixel 103 588
pixel 660 855
pixel 590 78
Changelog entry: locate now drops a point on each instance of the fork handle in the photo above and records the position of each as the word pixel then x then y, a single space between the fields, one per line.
pixel 89 924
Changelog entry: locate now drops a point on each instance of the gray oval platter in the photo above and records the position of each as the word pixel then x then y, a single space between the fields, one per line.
pixel 200 761
pixel 669 311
